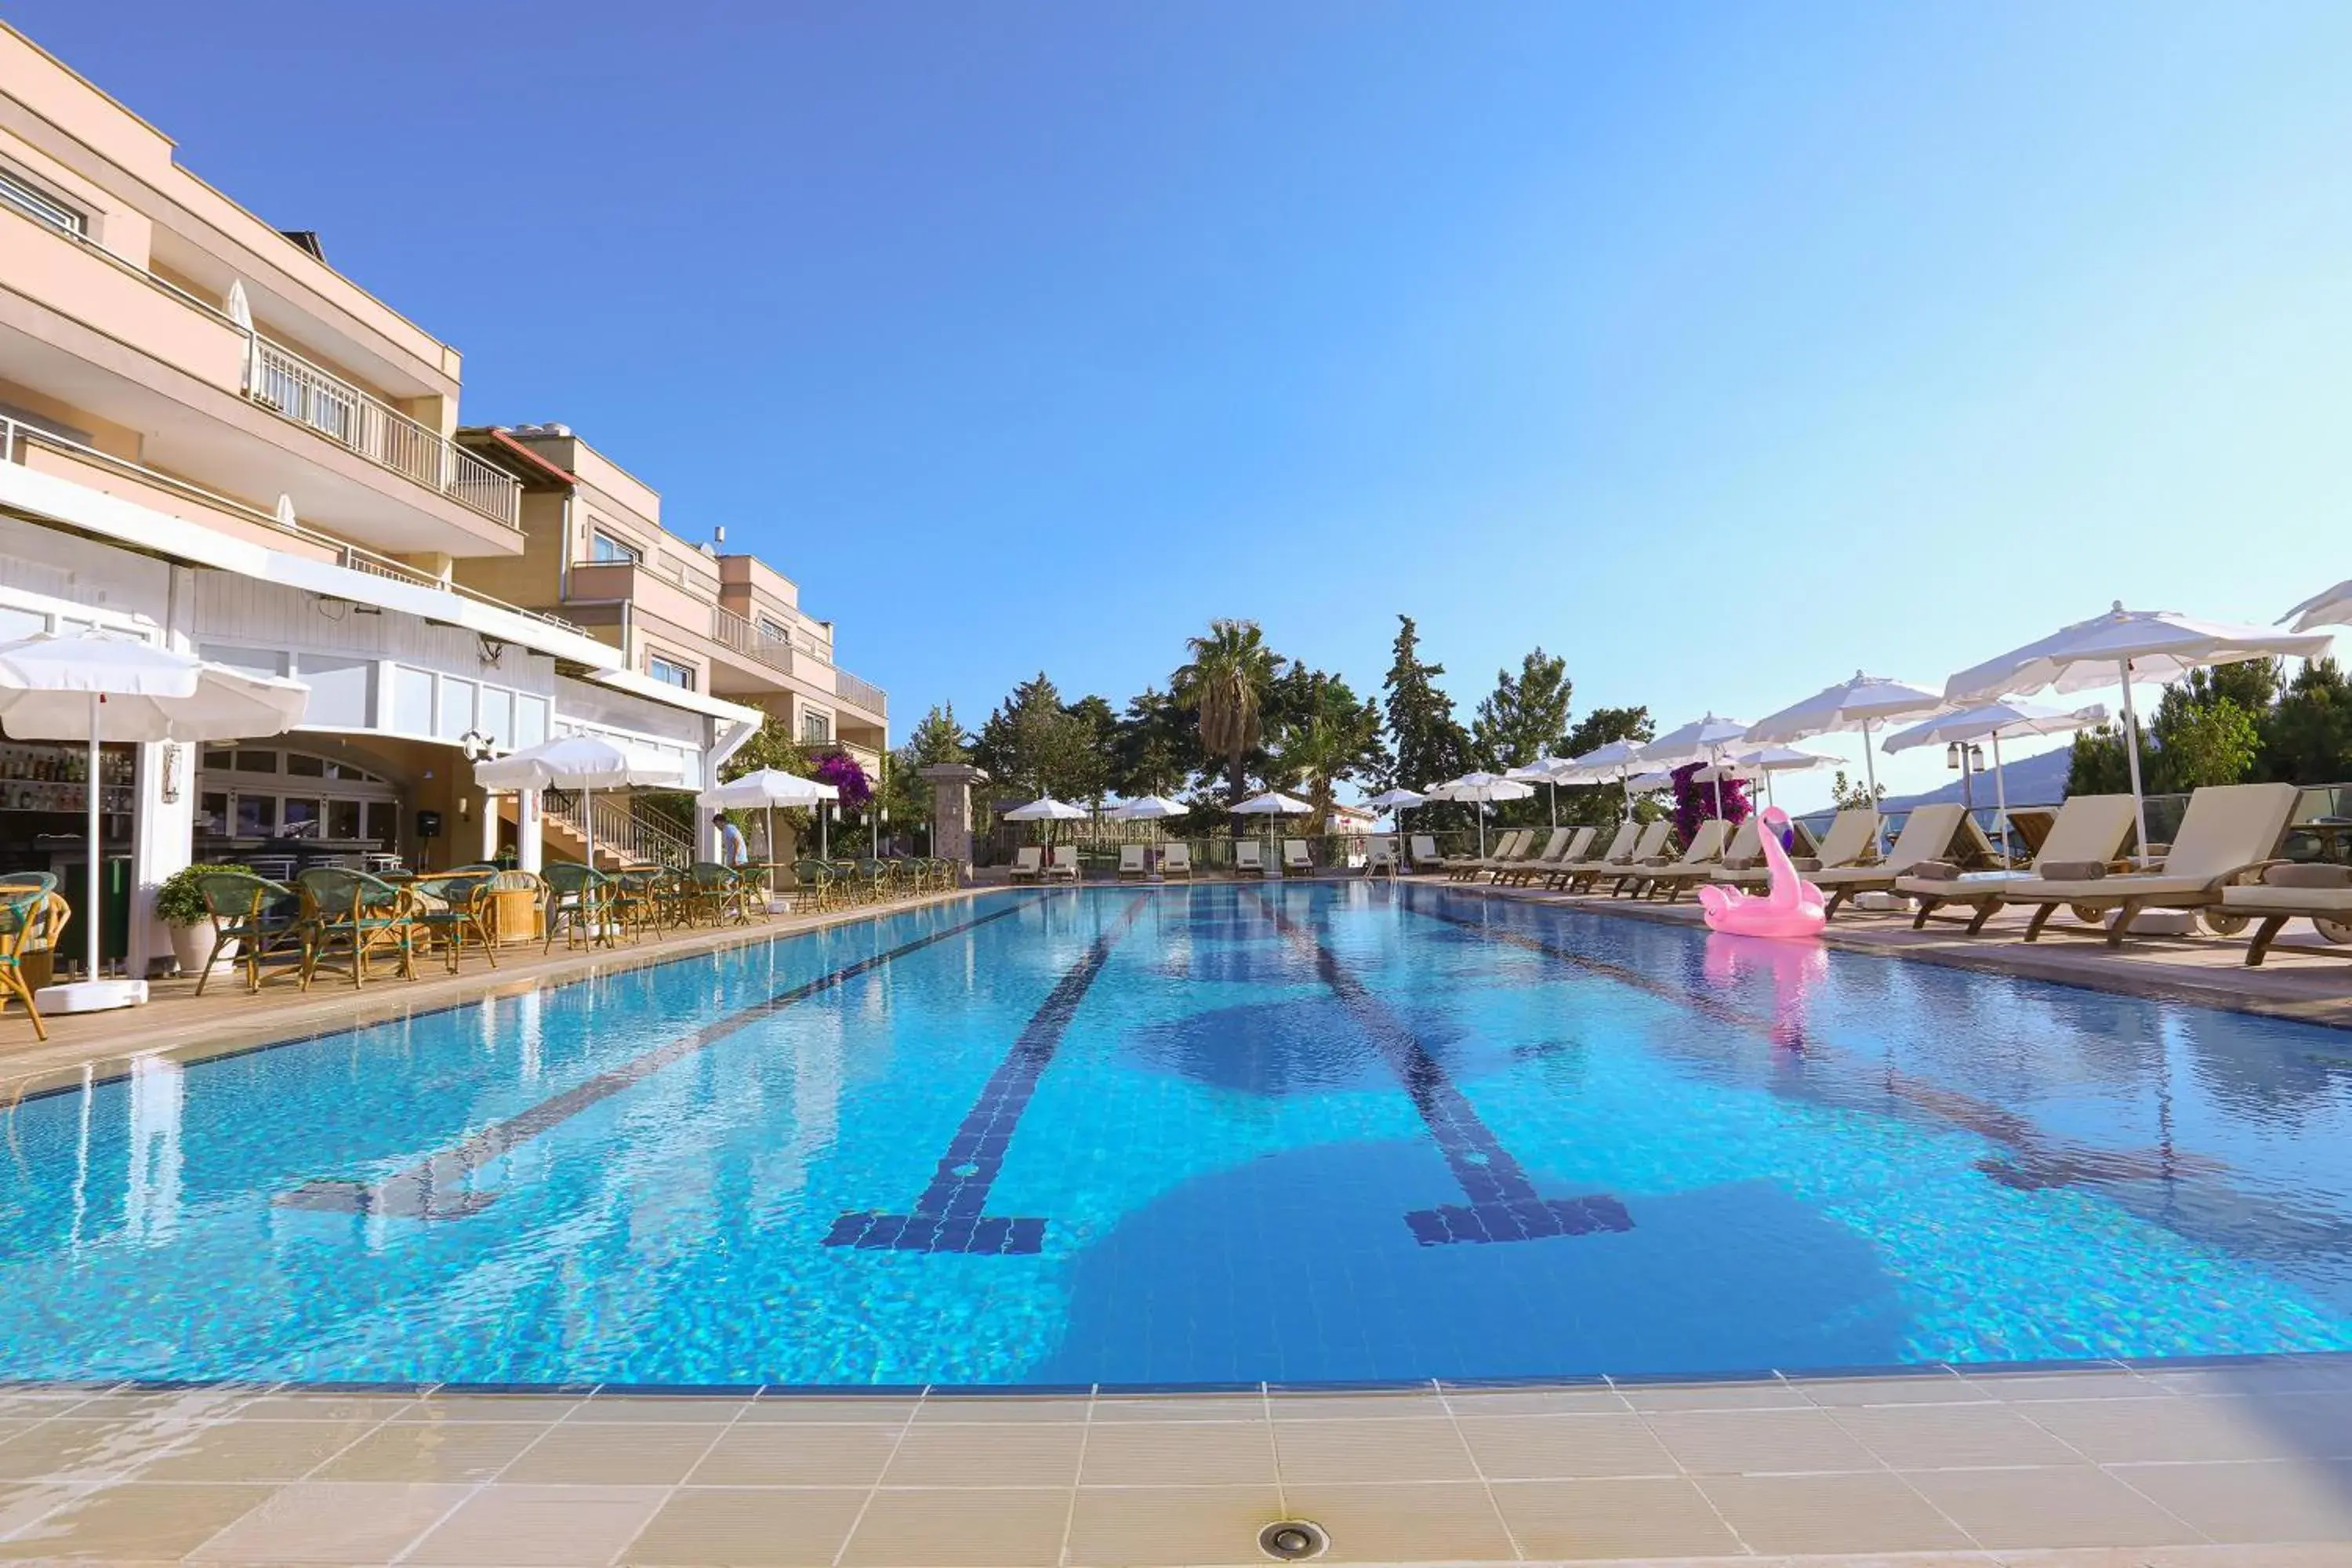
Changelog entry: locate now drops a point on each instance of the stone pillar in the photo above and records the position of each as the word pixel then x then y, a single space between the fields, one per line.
pixel 530 849
pixel 951 810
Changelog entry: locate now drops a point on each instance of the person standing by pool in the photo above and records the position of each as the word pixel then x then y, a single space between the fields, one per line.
pixel 730 840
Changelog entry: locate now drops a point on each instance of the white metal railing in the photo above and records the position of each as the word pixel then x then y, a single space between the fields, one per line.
pixel 17 437
pixel 280 379
pixel 621 831
pixel 731 630
pixel 865 693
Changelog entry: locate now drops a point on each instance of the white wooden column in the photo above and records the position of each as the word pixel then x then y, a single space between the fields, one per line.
pixel 529 850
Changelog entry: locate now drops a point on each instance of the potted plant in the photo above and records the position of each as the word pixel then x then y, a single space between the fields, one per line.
pixel 180 904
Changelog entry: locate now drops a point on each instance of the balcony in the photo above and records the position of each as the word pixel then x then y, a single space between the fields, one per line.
pixel 733 631
pixel 47 453
pixel 211 398
pixel 861 693
pixel 285 383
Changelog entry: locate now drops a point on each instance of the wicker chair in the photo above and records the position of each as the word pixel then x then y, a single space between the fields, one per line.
pixel 260 918
pixel 450 907
pixel 817 880
pixel 27 911
pixel 576 900
pixel 357 916
pixel 715 893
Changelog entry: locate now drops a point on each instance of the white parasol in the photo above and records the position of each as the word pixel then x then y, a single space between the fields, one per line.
pixel 97 686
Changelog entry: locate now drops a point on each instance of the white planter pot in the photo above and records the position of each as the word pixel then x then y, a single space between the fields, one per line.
pixel 191 945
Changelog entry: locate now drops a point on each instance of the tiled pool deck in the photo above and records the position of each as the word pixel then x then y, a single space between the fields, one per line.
pixel 2246 1463
pixel 2092 1465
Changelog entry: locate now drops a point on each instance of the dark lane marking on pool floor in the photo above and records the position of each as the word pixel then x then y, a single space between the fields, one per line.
pixel 1503 1204
pixel 431 1189
pixel 2034 1160
pixel 950 1215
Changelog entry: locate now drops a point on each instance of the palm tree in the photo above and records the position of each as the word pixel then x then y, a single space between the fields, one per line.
pixel 1231 671
pixel 1334 743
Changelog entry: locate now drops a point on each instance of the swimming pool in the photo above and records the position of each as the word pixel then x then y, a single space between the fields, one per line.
pixel 1197 1135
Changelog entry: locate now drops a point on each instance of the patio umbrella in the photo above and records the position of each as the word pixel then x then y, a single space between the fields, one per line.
pixel 2120 648
pixel 769 789
pixel 584 763
pixel 2332 608
pixel 1047 810
pixel 1482 789
pixel 1762 763
pixel 1992 721
pixel 1700 741
pixel 1151 808
pixel 1613 762
pixel 1546 771
pixel 1861 703
pixel 97 688
pixel 1396 802
pixel 1271 805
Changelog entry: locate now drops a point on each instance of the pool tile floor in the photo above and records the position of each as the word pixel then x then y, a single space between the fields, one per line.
pixel 2245 1463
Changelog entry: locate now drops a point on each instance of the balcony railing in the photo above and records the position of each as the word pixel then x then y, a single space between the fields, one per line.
pixel 280 379
pixel 731 630
pixel 17 439
pixel 865 693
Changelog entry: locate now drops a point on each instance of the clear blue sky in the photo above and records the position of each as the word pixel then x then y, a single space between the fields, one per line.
pixel 1721 348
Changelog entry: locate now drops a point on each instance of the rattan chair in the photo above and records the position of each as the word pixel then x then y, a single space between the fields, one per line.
pixel 577 897
pixel 29 913
pixel 260 918
pixel 449 909
pixel 357 917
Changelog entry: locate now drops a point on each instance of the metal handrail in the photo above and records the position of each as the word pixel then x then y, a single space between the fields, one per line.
pixel 13 431
pixel 731 630
pixel 619 828
pixel 284 382
pixel 865 693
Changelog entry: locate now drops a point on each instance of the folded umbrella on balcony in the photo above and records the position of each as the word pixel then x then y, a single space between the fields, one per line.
pixel 98 687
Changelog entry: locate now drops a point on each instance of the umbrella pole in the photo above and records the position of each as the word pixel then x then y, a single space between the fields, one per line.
pixel 90 920
pixel 1870 782
pixel 2131 754
pixel 2000 795
pixel 1554 790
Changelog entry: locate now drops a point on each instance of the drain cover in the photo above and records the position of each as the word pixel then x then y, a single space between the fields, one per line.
pixel 1290 1539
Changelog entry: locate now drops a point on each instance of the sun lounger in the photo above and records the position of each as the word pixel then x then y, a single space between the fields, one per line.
pixel 2319 893
pixel 1176 861
pixel 1648 849
pixel 1381 855
pixel 1620 850
pixel 1294 856
pixel 1700 860
pixel 2088 829
pixel 1542 860
pixel 1065 862
pixel 1131 861
pixel 1568 844
pixel 1706 858
pixel 1507 851
pixel 2030 827
pixel 1248 855
pixel 1927 834
pixel 1028 863
pixel 2229 830
pixel 1853 837
pixel 1648 841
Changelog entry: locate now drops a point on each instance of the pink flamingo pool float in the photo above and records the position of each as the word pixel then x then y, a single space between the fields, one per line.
pixel 1794 907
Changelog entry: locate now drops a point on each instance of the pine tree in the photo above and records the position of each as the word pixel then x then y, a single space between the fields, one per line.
pixel 1526 717
pixel 1431 745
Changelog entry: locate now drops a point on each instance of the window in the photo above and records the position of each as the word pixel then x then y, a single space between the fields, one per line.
pixel 775 629
pixel 41 206
pixel 816 727
pixel 256 762
pixel 669 672
pixel 299 818
pixel 212 813
pixel 343 820
pixel 302 765
pixel 383 822
pixel 604 549
pixel 255 815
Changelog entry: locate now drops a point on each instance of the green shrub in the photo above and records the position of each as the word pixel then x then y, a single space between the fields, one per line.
pixel 180 902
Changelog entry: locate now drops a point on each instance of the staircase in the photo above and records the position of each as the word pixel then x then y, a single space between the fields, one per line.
pixel 625 837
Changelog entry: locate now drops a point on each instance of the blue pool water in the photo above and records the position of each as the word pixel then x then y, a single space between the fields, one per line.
pixel 1199 1136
